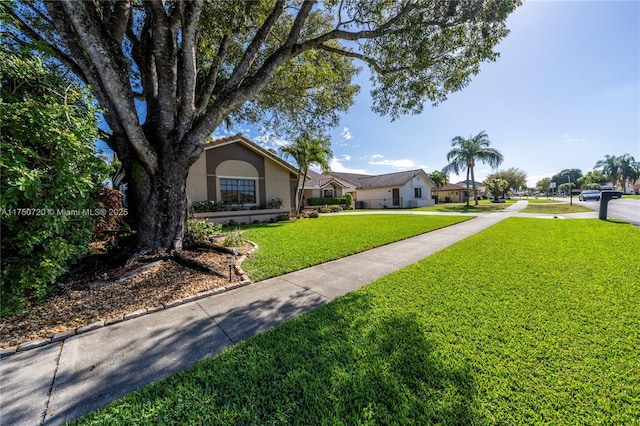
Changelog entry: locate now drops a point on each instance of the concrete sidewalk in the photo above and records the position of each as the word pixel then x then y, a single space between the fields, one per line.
pixel 65 380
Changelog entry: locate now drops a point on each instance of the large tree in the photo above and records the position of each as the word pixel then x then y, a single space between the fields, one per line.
pixel 515 177
pixel 168 73
pixel 466 152
pixel 307 152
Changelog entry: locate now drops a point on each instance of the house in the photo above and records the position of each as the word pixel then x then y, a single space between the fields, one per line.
pixel 393 190
pixel 481 189
pixel 322 186
pixel 451 193
pixel 249 182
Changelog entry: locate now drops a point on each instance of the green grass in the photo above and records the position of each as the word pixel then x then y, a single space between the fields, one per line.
pixel 637 197
pixel 289 246
pixel 556 208
pixel 539 200
pixel 528 322
pixel 483 206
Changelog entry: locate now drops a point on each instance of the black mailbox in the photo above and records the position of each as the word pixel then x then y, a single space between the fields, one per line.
pixel 605 197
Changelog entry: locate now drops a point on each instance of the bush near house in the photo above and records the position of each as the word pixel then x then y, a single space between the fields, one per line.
pixel 328 201
pixel 50 176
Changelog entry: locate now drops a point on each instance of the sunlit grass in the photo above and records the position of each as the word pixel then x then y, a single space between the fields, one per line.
pixel 290 246
pixel 556 208
pixel 483 206
pixel 528 322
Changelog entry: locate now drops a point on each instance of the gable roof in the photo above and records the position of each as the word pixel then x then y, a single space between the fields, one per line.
pixel 452 187
pixel 240 138
pixel 464 183
pixel 318 180
pixel 376 181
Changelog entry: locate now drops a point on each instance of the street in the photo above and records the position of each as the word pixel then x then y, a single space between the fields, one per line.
pixel 627 209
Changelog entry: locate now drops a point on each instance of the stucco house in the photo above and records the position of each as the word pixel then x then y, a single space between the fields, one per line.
pixel 248 180
pixel 392 190
pixel 322 186
pixel 451 193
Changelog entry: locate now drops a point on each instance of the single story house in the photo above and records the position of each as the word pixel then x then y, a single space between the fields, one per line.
pixel 481 190
pixel 451 193
pixel 322 186
pixel 242 181
pixel 412 188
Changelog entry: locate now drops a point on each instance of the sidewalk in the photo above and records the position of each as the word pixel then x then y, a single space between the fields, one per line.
pixel 65 380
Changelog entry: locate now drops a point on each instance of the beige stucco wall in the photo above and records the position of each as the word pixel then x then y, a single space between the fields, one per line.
pixel 236 169
pixel 197 181
pixel 278 184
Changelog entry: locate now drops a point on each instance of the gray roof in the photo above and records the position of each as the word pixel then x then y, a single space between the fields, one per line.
pixel 319 180
pixel 376 181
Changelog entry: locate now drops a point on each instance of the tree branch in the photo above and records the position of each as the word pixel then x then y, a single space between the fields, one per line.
pixel 212 76
pixel 240 72
pixel 187 72
pixel 111 74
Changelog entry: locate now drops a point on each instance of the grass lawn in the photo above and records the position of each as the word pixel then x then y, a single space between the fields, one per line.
pixel 637 197
pixel 290 246
pixel 482 207
pixel 556 208
pixel 539 200
pixel 528 322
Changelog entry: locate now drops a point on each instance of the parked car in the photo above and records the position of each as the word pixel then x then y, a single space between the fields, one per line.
pixel 589 194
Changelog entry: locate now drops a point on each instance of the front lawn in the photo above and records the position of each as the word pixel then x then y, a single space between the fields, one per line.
pixel 482 207
pixel 528 322
pixel 556 208
pixel 290 246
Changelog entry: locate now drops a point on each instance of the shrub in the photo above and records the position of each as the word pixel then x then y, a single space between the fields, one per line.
pixel 50 176
pixel 234 239
pixel 201 229
pixel 328 201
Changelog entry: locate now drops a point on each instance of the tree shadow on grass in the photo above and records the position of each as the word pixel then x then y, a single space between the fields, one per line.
pixel 341 363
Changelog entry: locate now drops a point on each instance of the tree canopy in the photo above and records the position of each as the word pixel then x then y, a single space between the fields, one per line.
pixel 168 73
pixel 466 152
pixel 515 177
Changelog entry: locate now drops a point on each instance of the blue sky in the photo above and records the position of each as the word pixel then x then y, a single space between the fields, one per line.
pixel 564 92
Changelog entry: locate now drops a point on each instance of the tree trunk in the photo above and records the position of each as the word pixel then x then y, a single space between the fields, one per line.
pixel 159 205
pixel 473 183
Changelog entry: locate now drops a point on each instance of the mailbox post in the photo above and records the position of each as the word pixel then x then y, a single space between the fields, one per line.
pixel 605 197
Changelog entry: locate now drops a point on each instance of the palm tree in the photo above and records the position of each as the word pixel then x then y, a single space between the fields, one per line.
pixel 440 179
pixel 610 167
pixel 306 152
pixel 629 170
pixel 465 154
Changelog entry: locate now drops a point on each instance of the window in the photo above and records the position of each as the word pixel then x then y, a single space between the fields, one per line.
pixel 238 191
pixel 328 193
pixel 417 192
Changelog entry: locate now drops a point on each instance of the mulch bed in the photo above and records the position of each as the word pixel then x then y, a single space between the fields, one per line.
pixel 109 292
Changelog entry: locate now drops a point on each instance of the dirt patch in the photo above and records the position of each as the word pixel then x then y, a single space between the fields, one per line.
pixel 102 293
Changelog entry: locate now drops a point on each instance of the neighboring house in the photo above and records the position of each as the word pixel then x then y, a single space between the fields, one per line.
pixel 451 193
pixel 322 186
pixel 481 190
pixel 412 188
pixel 244 176
pixel 636 187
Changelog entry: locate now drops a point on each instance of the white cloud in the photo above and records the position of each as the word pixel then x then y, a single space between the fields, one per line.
pixel 270 140
pixel 337 166
pixel 398 164
pixel 346 157
pixel 374 156
pixel 569 138
pixel 346 133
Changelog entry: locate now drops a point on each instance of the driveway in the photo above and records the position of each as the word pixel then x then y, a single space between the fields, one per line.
pixel 627 209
